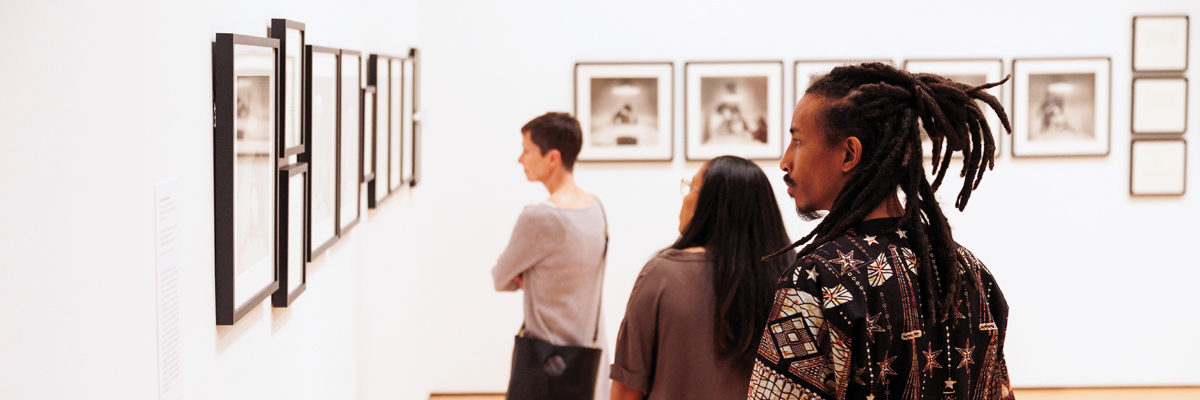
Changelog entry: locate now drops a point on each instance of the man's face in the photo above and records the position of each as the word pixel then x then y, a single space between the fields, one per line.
pixel 536 165
pixel 814 170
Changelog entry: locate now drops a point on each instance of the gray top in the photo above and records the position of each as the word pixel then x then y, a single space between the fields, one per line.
pixel 558 254
pixel 666 346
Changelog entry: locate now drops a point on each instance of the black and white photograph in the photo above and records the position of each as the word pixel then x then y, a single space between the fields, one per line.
pixel 973 72
pixel 321 112
pixel 1160 43
pixel 244 166
pixel 291 257
pixel 291 74
pixel 395 122
pixel 1158 167
pixel 350 160
pixel 734 108
pixel 624 110
pixel 806 72
pixel 1159 105
pixel 1061 107
pixel 407 128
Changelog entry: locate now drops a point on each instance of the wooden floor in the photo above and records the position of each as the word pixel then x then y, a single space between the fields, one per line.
pixel 1022 394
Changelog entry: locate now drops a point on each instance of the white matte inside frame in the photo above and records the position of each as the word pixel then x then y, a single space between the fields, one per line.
pixel 1160 43
pixel 662 73
pixel 773 148
pixel 348 160
pixel 1098 143
pixel 1160 105
pixel 295 240
pixel 1158 167
pixel 254 172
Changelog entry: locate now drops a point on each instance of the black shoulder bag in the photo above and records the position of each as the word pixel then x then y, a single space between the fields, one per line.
pixel 541 370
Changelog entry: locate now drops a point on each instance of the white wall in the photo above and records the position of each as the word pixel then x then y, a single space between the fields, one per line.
pixel 1099 283
pixel 103 100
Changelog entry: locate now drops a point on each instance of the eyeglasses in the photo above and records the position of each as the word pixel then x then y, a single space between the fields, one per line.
pixel 685 186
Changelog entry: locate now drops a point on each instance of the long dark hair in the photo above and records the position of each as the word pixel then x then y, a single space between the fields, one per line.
pixel 885 109
pixel 736 221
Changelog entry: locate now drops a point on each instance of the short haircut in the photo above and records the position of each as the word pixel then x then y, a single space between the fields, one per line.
pixel 556 131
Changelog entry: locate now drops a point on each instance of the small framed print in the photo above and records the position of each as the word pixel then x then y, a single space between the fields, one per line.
pixel 372 148
pixel 1158 167
pixel 396 122
pixel 973 72
pixel 1159 105
pixel 408 126
pixel 291 90
pixel 245 139
pixel 412 88
pixel 350 143
pixel 1061 107
pixel 733 108
pixel 805 72
pixel 321 131
pixel 292 267
pixel 379 78
pixel 625 111
pixel 1160 43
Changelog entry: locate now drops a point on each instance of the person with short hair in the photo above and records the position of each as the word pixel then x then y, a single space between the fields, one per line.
pixel 557 247
pixel 883 303
pixel 697 309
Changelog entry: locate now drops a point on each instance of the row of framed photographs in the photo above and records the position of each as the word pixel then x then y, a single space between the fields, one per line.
pixel 1060 106
pixel 298 130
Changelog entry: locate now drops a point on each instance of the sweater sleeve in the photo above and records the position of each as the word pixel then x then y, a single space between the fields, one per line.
pixel 534 237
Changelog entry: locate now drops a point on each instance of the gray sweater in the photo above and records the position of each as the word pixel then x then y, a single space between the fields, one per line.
pixel 558 253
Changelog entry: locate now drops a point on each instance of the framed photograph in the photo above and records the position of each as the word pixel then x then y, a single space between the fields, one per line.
pixel 372 148
pixel 1160 43
pixel 733 108
pixel 407 126
pixel 292 261
pixel 1158 167
pixel 1061 107
pixel 350 143
pixel 321 131
pixel 291 91
pixel 808 71
pixel 973 72
pixel 380 78
pixel 1159 105
pixel 244 165
pixel 625 110
pixel 413 90
pixel 396 122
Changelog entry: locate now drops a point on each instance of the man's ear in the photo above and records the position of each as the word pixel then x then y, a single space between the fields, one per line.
pixel 852 153
pixel 554 157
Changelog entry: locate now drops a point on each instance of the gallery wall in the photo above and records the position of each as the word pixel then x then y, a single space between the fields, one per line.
pixel 102 101
pixel 1099 283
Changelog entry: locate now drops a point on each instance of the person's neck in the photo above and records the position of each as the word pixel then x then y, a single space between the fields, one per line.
pixel 563 191
pixel 890 208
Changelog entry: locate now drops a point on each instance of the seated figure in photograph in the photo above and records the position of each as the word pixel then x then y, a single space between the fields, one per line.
pixel 696 311
pixel 883 303
pixel 556 250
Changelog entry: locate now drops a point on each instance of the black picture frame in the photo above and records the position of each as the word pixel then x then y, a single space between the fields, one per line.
pixel 1101 143
pixel 233 157
pixel 319 141
pixel 415 161
pixel 625 75
pixel 367 116
pixel 293 243
pixel 280 29
pixel 350 143
pixel 1133 106
pixel 379 79
pixel 1134 53
pixel 692 107
pixel 1133 153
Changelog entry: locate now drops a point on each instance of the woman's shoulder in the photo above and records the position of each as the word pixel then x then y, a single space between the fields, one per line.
pixel 671 263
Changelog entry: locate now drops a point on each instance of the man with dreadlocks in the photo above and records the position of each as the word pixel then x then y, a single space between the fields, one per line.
pixel 883 303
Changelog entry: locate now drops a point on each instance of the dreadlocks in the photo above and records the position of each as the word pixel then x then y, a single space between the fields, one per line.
pixel 886 109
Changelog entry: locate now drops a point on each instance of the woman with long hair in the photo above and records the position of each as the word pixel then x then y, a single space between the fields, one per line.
pixel 697 310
